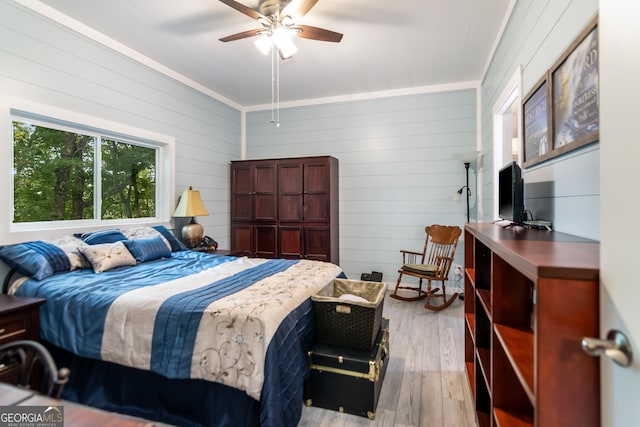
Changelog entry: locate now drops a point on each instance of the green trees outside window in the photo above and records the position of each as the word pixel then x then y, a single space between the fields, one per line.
pixel 60 174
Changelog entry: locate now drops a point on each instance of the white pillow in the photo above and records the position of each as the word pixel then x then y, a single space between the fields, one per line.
pixel 354 298
pixel 106 256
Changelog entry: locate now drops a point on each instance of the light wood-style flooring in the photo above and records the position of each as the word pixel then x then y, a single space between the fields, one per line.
pixel 426 384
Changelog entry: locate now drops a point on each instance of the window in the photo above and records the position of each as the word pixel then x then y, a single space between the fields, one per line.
pixel 52 174
pixel 66 172
pixel 506 130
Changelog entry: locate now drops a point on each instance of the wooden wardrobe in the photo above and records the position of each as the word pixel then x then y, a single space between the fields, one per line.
pixel 285 208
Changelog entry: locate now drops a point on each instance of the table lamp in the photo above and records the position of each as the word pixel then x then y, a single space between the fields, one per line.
pixel 190 205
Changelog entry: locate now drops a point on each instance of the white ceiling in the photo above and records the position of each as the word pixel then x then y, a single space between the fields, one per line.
pixel 387 46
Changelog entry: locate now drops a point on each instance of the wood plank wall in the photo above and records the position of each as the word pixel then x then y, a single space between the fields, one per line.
pixel 537 34
pixel 398 170
pixel 47 63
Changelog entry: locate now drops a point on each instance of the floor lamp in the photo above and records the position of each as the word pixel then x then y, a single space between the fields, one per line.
pixel 466 166
pixel 466 158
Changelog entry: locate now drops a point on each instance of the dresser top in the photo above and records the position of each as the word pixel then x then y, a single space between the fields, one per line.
pixel 541 253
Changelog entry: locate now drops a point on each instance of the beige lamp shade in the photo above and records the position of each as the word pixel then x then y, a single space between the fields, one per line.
pixel 191 205
pixel 467 156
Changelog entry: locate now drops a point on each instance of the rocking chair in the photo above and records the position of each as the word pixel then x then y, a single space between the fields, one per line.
pixel 432 264
pixel 32 361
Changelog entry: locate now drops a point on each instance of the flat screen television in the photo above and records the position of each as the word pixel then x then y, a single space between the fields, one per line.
pixel 511 194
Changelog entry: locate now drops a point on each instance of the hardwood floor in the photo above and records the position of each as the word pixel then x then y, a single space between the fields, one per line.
pixel 425 384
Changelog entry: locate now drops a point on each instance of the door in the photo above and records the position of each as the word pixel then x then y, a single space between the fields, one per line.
pixel 317 243
pixel 241 191
pixel 265 190
pixel 317 188
pixel 266 243
pixel 619 35
pixel 291 244
pixel 290 191
pixel 253 191
pixel 242 239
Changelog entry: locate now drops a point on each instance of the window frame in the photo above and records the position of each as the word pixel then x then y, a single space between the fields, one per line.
pixel 45 115
pixel 511 96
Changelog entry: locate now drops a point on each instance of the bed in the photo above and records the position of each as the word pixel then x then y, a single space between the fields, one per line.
pixel 186 338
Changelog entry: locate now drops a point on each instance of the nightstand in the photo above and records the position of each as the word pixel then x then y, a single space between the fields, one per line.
pixel 19 320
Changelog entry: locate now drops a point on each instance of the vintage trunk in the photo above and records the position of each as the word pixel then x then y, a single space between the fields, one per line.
pixel 348 380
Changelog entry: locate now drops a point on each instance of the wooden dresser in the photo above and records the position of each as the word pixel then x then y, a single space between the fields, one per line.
pixel 531 296
pixel 19 320
pixel 285 208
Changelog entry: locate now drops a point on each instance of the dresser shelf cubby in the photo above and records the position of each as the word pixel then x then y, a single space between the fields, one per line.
pixel 530 297
pixel 519 349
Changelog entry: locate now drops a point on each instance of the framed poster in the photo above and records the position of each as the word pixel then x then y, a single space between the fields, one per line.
pixel 536 143
pixel 575 93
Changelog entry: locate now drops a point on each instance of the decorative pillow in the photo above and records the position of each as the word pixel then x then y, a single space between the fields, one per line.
pixel 148 249
pixel 38 260
pixel 70 245
pixel 137 233
pixel 106 256
pixel 428 269
pixel 176 245
pixel 103 236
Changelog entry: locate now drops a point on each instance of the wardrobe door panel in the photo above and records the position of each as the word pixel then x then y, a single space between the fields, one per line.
pixel 316 191
pixel 291 245
pixel 317 242
pixel 290 191
pixel 266 241
pixel 265 191
pixel 242 239
pixel 241 192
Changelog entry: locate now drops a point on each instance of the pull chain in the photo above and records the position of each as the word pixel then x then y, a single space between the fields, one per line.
pixel 275 86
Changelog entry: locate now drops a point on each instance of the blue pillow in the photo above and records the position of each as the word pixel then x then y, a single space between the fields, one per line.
pixel 38 260
pixel 148 249
pixel 176 245
pixel 103 236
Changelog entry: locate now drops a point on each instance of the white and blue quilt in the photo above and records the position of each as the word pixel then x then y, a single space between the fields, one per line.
pixel 189 316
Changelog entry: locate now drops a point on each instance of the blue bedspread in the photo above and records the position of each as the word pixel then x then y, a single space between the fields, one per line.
pixel 194 316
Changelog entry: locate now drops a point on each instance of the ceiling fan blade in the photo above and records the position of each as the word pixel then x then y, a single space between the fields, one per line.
pixel 243 9
pixel 315 33
pixel 298 8
pixel 242 35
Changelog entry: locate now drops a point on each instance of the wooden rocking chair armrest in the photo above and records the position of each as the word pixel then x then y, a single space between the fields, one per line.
pixel 409 257
pixel 404 251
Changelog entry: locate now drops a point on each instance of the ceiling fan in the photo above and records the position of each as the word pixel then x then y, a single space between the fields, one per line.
pixel 279 23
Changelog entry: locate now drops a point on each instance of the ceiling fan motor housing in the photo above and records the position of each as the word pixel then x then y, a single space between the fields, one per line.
pixel 272 7
pixel 276 14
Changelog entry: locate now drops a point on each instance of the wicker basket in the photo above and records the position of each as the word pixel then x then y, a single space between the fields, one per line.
pixel 346 323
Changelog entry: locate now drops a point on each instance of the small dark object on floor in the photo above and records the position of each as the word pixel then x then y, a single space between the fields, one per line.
pixel 374 276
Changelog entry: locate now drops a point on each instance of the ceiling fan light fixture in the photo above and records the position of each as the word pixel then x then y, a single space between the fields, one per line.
pixel 283 41
pixel 287 49
pixel 263 43
pixel 278 20
pixel 264 21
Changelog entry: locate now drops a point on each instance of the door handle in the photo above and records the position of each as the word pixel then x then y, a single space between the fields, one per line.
pixel 616 347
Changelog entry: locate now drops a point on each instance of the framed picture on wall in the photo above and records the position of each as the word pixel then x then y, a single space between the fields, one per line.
pixel 575 93
pixel 536 141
